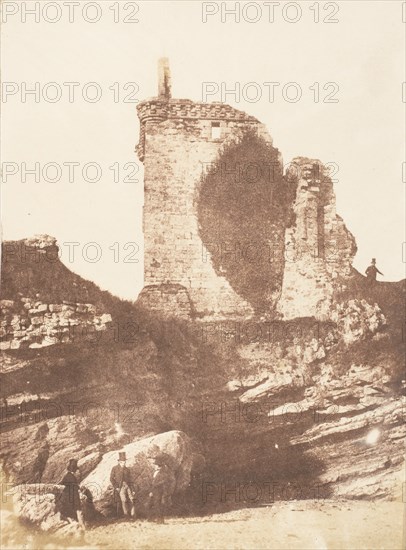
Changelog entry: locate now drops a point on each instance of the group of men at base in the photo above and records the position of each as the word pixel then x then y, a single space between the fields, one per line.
pixel 76 500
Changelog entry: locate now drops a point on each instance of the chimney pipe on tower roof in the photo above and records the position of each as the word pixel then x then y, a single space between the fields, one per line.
pixel 164 79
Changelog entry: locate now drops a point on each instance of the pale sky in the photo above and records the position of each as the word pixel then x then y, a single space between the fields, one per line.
pixel 363 133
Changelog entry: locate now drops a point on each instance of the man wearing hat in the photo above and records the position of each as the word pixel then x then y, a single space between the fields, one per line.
pixel 163 482
pixel 372 271
pixel 70 503
pixel 120 478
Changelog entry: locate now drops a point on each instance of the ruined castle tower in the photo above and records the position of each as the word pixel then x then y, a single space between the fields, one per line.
pixel 179 141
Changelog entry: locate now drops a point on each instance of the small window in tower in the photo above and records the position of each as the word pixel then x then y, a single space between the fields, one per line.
pixel 215 130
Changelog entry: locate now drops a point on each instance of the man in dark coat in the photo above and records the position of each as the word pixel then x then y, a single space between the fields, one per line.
pixel 70 504
pixel 163 482
pixel 372 271
pixel 120 478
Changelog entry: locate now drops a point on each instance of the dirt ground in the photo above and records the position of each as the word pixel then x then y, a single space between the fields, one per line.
pixel 304 525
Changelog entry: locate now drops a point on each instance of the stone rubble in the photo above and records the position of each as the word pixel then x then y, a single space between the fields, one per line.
pixel 46 324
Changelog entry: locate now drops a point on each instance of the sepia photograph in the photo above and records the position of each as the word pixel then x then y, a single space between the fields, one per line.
pixel 203 268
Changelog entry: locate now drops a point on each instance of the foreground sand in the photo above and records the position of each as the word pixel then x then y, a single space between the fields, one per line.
pixel 304 525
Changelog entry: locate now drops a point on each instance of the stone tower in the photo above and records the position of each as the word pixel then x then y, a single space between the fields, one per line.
pixel 179 141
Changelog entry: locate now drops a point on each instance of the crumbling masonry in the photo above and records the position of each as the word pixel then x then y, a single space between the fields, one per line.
pixel 179 140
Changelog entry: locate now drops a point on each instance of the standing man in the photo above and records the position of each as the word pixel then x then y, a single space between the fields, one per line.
pixel 163 482
pixel 71 509
pixel 120 478
pixel 372 271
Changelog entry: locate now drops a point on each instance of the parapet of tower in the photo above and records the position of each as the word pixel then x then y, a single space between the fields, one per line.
pixel 219 119
pixel 216 120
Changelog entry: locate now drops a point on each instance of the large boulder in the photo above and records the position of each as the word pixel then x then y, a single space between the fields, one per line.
pixel 180 457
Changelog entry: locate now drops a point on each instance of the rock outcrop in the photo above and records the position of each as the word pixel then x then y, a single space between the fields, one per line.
pixel 37 505
pixel 332 400
pixel 39 453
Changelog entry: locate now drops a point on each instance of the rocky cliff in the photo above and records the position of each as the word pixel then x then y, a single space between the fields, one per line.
pixel 265 401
